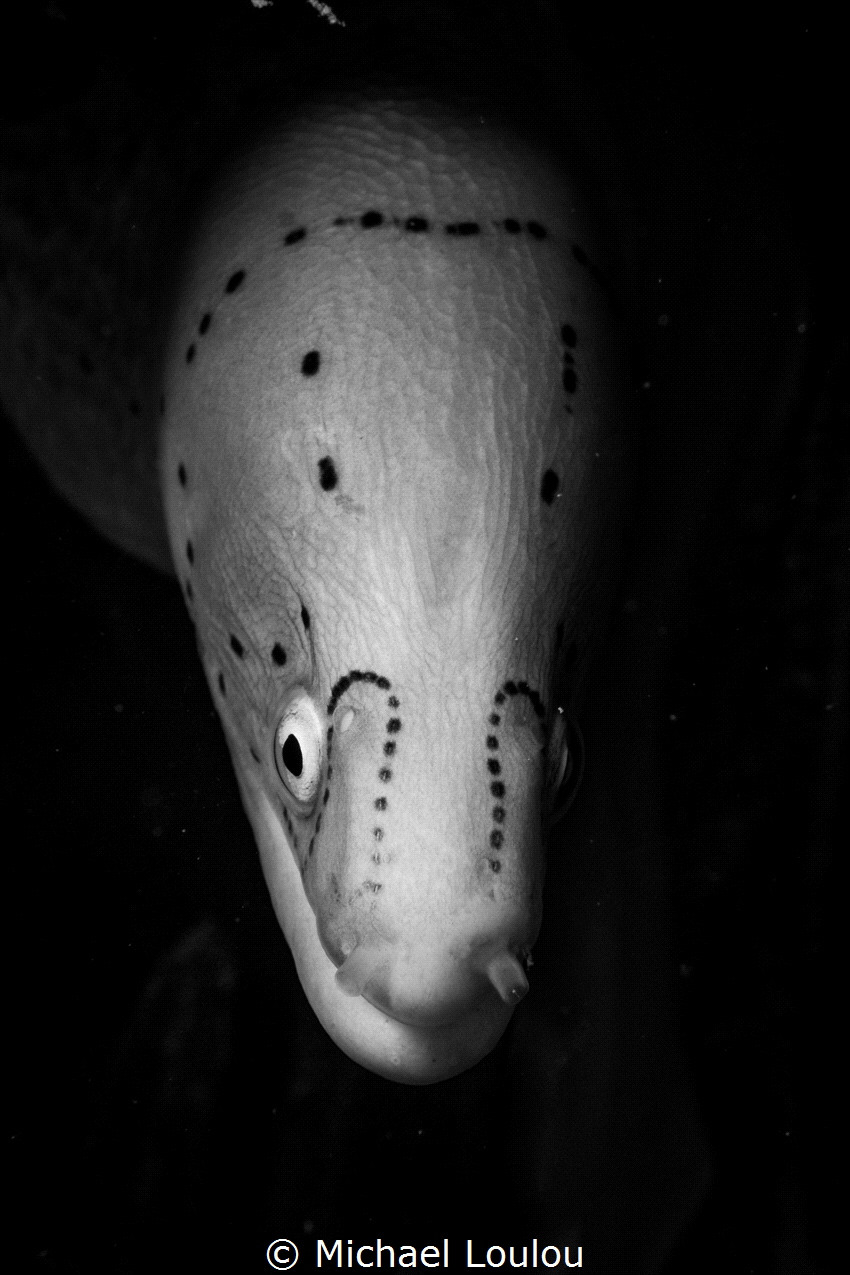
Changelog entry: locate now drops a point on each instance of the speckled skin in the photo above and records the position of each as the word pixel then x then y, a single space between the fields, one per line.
pixel 390 437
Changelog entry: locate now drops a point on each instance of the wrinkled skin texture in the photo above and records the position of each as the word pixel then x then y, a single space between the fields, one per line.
pixel 389 446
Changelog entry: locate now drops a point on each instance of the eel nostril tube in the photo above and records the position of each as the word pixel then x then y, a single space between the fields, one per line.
pixel 356 970
pixel 508 977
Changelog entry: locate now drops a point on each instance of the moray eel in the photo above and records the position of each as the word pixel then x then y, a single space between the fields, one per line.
pixel 388 461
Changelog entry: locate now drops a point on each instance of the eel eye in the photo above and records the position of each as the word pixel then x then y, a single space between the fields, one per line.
pixel 298 752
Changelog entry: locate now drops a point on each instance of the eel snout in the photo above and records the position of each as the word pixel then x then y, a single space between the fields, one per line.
pixel 427 987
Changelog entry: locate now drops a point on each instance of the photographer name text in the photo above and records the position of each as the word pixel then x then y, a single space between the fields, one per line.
pixel 345 1253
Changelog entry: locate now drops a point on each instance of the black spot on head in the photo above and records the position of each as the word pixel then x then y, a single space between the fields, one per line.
pixel 305 620
pixel 389 748
pixel 310 363
pixel 416 224
pixel 236 646
pixel 495 865
pixel 499 698
pixel 278 655
pixel 511 225
pixel 327 474
pixel 181 474
pixel 234 281
pixel 190 354
pixel 496 838
pixel 498 789
pixel 295 235
pixel 371 218
pixel 370 677
pixel 221 683
pixel 463 228
pixel 494 718
pixel 135 410
pixel 385 775
pixel 190 552
pixel 536 230
pixel 203 326
pixel 493 766
pixel 492 741
pixel 549 486
pixel 568 377
pixel 85 363
pixel 510 688
pixel 568 335
pixel 393 726
pixel 383 685
pixel 380 803
pixel 498 814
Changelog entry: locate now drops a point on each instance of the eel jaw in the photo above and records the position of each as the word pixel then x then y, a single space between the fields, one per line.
pixel 408 1053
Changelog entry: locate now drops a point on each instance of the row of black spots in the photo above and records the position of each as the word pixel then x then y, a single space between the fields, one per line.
pixel 510 689
pixel 339 688
pixel 385 773
pixel 515 227
pixel 337 691
pixel 568 372
pixel 416 224
pixel 497 788
pixel 494 766
pixel 233 283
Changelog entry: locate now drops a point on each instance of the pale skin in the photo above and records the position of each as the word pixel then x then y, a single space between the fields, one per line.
pixel 390 423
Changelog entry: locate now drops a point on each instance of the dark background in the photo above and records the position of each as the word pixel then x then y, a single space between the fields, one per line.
pixel 173 1098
